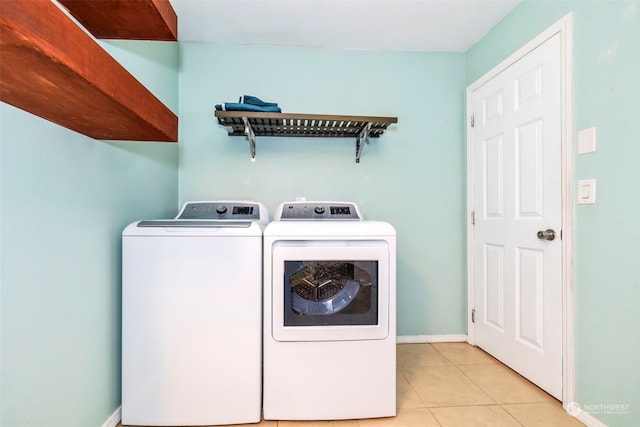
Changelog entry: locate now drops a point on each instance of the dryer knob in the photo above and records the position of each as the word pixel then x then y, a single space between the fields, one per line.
pixel 221 209
pixel 319 210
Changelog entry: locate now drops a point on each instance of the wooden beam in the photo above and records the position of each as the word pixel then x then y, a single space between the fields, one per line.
pixel 51 68
pixel 126 19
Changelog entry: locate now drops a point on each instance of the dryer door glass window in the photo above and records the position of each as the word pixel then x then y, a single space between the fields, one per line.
pixel 330 292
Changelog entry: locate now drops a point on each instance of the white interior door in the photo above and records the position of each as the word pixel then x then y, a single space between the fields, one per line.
pixel 516 175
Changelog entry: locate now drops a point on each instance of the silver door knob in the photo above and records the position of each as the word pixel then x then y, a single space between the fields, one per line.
pixel 548 234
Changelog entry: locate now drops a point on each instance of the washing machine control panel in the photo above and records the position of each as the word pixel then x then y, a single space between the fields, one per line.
pixel 220 210
pixel 330 211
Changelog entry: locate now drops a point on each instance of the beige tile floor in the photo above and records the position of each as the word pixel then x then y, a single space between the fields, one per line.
pixel 455 384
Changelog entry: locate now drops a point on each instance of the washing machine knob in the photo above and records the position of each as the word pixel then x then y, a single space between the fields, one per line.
pixel 319 210
pixel 221 209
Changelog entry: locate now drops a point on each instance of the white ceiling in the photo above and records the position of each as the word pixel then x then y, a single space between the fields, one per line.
pixel 407 25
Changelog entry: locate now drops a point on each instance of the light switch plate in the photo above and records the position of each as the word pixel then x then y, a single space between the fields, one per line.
pixel 587 140
pixel 587 192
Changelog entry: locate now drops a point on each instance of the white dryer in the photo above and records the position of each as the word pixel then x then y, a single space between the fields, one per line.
pixel 329 314
pixel 191 316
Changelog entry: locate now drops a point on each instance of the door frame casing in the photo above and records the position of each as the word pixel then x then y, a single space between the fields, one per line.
pixel 564 27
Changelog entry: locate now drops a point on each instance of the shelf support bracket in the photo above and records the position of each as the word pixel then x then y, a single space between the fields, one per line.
pixel 362 139
pixel 251 137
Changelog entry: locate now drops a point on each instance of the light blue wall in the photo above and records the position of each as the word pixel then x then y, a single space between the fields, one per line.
pixel 607 241
pixel 412 177
pixel 64 201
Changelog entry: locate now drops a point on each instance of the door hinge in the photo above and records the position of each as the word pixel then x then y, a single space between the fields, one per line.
pixel 473 315
pixel 473 217
pixel 560 234
pixel 473 120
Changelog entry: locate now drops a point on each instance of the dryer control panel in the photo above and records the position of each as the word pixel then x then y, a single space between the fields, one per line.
pixel 329 211
pixel 220 210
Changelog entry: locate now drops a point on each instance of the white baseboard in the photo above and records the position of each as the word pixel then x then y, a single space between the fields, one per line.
pixel 114 419
pixel 420 339
pixel 589 420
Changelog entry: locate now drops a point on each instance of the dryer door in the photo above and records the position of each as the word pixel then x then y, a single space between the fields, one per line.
pixel 330 291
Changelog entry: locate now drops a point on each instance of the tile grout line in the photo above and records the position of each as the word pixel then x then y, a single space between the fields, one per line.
pixel 457 366
pixel 511 415
pixel 476 384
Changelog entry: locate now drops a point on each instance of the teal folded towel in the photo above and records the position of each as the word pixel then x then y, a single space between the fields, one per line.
pixel 250 103
pixel 248 99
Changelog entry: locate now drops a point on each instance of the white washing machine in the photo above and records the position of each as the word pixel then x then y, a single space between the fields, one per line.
pixel 329 314
pixel 191 316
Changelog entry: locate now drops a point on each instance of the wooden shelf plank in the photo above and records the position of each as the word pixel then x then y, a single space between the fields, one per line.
pixel 258 115
pixel 252 124
pixel 126 19
pixel 302 125
pixel 51 68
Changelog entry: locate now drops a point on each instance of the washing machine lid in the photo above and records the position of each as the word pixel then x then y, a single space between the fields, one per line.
pixel 224 210
pixel 221 217
pixel 212 223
